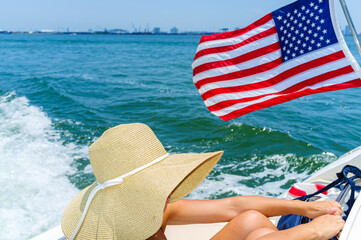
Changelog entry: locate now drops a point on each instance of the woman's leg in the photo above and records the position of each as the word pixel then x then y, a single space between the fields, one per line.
pixel 245 224
pixel 259 233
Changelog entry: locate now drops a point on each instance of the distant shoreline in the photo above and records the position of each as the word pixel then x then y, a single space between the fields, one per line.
pixel 104 33
pixel 113 33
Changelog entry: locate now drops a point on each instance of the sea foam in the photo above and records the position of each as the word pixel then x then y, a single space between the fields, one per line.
pixel 263 176
pixel 34 163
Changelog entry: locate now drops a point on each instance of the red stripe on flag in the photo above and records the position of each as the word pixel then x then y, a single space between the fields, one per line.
pixel 222 49
pixel 241 74
pixel 290 90
pixel 277 79
pixel 318 79
pixel 237 60
pixel 319 187
pixel 289 97
pixel 297 192
pixel 238 32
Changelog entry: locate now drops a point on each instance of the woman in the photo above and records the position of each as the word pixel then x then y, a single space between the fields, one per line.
pixel 136 177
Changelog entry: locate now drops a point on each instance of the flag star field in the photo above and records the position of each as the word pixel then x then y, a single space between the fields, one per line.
pixel 303 28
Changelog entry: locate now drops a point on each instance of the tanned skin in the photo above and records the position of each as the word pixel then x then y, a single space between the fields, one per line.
pixel 247 217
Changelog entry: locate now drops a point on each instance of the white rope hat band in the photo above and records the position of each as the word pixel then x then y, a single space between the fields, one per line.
pixel 109 183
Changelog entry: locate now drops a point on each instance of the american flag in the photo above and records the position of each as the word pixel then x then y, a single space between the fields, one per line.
pixel 292 52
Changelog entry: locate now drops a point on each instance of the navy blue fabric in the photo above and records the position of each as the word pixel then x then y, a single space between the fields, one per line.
pixel 303 27
pixel 342 181
pixel 292 220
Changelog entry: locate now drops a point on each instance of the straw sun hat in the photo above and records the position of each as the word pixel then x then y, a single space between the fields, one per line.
pixel 134 176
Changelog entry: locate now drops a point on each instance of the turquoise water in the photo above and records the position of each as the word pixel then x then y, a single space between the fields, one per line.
pixel 59 93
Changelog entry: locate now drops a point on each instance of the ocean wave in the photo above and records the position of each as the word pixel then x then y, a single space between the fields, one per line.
pixel 260 175
pixel 34 164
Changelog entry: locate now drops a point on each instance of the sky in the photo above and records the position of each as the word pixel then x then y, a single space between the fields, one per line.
pixel 186 15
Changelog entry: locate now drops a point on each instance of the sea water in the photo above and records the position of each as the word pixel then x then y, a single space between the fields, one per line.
pixel 58 93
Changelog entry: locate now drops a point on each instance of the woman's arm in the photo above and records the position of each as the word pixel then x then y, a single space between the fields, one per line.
pixel 276 207
pixel 224 210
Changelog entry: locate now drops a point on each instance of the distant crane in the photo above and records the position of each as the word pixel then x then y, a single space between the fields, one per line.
pixel 147 29
pixel 134 28
pixel 138 30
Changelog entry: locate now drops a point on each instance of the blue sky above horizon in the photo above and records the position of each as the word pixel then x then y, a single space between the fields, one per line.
pixel 186 15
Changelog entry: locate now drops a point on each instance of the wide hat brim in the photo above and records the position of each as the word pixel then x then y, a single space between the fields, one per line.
pixel 134 209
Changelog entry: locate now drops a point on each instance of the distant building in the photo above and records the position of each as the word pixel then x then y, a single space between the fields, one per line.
pixel 174 30
pixel 348 31
pixel 156 30
pixel 47 31
pixel 118 31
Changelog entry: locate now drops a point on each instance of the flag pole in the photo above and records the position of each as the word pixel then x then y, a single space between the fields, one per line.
pixel 351 25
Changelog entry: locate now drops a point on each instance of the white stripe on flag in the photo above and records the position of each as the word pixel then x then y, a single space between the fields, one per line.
pixel 279 86
pixel 263 42
pixel 235 40
pixel 342 79
pixel 337 80
pixel 265 75
pixel 245 65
